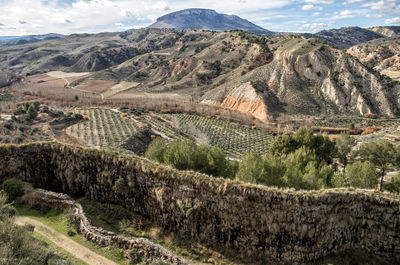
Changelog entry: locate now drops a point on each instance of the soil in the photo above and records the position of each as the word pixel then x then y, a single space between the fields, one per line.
pixel 139 142
pixel 69 245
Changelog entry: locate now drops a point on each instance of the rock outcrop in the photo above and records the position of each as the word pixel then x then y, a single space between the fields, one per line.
pixel 255 222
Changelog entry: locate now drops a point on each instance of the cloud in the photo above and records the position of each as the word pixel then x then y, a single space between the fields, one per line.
pixel 393 21
pixel 307 7
pixel 319 1
pixel 391 7
pixel 315 27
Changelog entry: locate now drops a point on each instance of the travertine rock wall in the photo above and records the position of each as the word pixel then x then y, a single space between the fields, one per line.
pixel 254 221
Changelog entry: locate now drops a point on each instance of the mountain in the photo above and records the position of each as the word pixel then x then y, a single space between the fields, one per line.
pixel 206 19
pixel 388 31
pixel 347 37
pixel 264 76
pixel 7 41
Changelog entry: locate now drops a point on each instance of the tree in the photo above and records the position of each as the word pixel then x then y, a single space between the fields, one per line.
pixel 218 164
pixel 322 146
pixel 358 175
pixel 180 154
pixel 304 171
pixel 14 188
pixel 394 184
pixel 344 145
pixel 250 168
pixel 273 171
pixel 382 154
pixel 156 149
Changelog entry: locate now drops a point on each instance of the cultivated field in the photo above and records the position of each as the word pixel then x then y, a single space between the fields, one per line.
pixel 105 129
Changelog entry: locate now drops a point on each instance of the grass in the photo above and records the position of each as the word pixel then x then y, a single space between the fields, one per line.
pixel 59 251
pixel 59 221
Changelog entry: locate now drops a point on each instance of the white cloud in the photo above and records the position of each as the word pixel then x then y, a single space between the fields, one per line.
pixel 393 21
pixel 319 1
pixel 384 6
pixel 315 27
pixel 307 7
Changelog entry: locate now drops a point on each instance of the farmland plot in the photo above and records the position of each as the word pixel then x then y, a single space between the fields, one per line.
pixel 235 140
pixel 105 129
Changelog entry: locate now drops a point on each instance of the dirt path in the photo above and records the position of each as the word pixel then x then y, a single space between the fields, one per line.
pixel 69 245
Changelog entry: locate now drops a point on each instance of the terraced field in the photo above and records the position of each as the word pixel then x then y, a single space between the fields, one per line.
pixel 105 129
pixel 234 139
pixel 362 122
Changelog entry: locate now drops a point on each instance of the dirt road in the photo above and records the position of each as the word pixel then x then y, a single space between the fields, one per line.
pixel 69 245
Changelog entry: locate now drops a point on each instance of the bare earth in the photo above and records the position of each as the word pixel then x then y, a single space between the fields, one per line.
pixel 76 249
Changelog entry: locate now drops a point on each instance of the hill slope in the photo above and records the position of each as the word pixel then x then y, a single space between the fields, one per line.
pixel 8 41
pixel 206 19
pixel 244 72
pixel 381 54
pixel 347 37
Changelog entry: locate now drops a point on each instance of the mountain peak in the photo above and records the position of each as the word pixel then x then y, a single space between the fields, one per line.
pixel 206 19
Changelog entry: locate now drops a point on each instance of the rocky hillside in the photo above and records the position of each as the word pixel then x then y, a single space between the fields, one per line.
pixel 206 19
pixel 383 55
pixel 307 76
pixel 389 31
pixel 248 73
pixel 347 37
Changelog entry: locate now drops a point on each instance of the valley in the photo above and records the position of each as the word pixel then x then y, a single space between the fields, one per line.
pixel 201 139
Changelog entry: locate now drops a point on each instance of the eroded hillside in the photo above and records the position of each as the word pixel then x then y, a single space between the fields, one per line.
pixel 247 73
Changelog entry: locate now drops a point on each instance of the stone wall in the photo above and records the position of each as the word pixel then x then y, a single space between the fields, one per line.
pixel 142 246
pixel 255 222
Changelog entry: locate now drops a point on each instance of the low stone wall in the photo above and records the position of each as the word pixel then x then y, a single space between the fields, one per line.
pixel 142 246
pixel 253 222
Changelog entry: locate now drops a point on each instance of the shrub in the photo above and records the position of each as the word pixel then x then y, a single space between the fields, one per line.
pixel 14 188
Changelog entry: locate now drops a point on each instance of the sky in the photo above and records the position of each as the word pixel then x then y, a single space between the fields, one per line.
pixel 24 17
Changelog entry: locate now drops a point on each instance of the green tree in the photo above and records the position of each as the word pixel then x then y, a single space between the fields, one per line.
pixel 394 184
pixel 323 147
pixel 344 145
pixel 180 154
pixel 156 149
pixel 273 171
pixel 382 154
pixel 250 168
pixel 218 164
pixel 14 188
pixel 304 171
pixel 358 175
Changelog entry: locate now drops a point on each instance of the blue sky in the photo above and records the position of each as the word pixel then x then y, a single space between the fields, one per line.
pixel 21 17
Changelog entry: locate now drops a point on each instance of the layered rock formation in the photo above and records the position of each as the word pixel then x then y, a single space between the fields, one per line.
pixel 255 222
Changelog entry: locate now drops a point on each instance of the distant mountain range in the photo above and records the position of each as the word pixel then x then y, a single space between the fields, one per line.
pixel 18 40
pixel 207 19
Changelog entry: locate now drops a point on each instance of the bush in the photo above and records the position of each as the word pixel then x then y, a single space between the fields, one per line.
pixel 14 188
